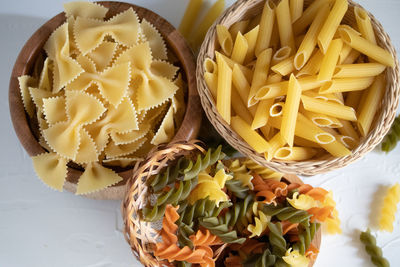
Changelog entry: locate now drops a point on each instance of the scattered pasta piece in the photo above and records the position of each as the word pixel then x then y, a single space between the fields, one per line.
pixel 389 208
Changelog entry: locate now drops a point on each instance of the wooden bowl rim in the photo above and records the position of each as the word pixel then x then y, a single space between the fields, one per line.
pixel 191 123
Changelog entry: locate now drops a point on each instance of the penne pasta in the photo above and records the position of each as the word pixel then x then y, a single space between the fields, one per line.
pixel 276 109
pixel 331 24
pixel 281 88
pixel 240 26
pixel 304 142
pixel 211 76
pixel 224 89
pixel 266 25
pixel 240 83
pixel 325 97
pixel 322 120
pixel 353 99
pixel 274 43
pixel 224 39
pixel 309 42
pixel 284 67
pixel 189 18
pixel 239 107
pixel 298 39
pixel 240 48
pixel 346 85
pixel 301 24
pixel 212 14
pixel 248 73
pixel 276 142
pixel 347 141
pixel 284 22
pixel 260 75
pixel 274 78
pixel 366 47
pixel 346 50
pixel 295 153
pixel 348 130
pixel 262 114
pixel 281 54
pixel 358 70
pixel 364 24
pixel 330 60
pixel 328 108
pixel 251 38
pixel 313 65
pixel 370 105
pixel 352 57
pixel 256 141
pixel 290 110
pixel 296 9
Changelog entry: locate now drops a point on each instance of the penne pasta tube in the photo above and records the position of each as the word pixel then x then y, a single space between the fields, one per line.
pixel 266 130
pixel 346 85
pixel 301 24
pixel 259 144
pixel 358 70
pixel 296 9
pixel 328 108
pixel 346 49
pixel 281 88
pixel 239 107
pixel 284 67
pixel 330 60
pixel 224 89
pixel 290 110
pixel 276 142
pixel 352 57
pixel 295 153
pixel 322 120
pixel 276 109
pixel 325 97
pixel 309 42
pixel 370 105
pixel 240 83
pixel 189 18
pixel 364 24
pixel 367 48
pixel 298 39
pixel 347 141
pixel 210 66
pixel 240 26
pixel 305 143
pixel 337 97
pixel 266 26
pixel 348 130
pixel 251 38
pixel 212 14
pixel 274 78
pixel 212 83
pixel 313 65
pixel 224 39
pixel 274 43
pixel 284 22
pixel 331 24
pixel 260 75
pixel 353 99
pixel 262 114
pixel 240 48
pixel 281 54
pixel 248 73
pixel 329 130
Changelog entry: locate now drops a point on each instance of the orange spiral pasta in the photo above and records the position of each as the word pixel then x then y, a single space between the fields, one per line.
pixel 249 246
pixel 288 226
pixel 312 252
pixel 205 239
pixel 320 214
pixel 233 261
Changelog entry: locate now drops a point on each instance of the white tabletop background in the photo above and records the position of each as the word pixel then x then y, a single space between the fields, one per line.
pixel 43 228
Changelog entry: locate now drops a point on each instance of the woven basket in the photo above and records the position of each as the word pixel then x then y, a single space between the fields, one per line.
pixel 246 9
pixel 141 235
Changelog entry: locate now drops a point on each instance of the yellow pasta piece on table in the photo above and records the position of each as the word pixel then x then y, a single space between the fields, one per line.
pixel 240 48
pixel 330 60
pixel 189 18
pixel 370 105
pixel 366 47
pixel 285 24
pixel 331 24
pixel 224 39
pixel 51 169
pixel 266 26
pixel 328 108
pixel 346 85
pixel 290 110
pixel 85 9
pixel 224 90
pixel 243 129
pixel 389 208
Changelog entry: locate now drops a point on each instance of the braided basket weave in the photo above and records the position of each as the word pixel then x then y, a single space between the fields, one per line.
pixel 246 9
pixel 142 235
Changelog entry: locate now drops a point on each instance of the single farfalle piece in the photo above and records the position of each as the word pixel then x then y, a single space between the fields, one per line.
pixel 389 208
pixel 87 151
pixel 95 178
pixel 294 258
pixel 51 169
pixel 103 54
pixel 85 10
pixel 166 130
pixel 156 41
pixel 123 28
pixel 25 82
pixel 113 82
pixel 45 81
pixel 152 90
pixel 54 109
pixel 57 47
pixel 81 109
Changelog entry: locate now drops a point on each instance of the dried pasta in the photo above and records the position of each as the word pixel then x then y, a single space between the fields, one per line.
pixel 389 208
pixel 373 250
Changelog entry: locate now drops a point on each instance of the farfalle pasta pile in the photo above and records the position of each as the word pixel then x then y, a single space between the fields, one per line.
pixel 105 95
pixel 233 212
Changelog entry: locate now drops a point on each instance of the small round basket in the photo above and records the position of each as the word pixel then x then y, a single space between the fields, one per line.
pixel 246 9
pixel 33 49
pixel 142 235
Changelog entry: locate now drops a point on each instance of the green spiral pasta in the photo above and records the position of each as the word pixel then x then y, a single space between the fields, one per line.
pixel 306 237
pixel 152 214
pixel 373 250
pixel 287 213
pixel 276 239
pixel 391 139
pixel 183 264
pixel 184 231
pixel 237 188
pixel 171 174
pixel 267 259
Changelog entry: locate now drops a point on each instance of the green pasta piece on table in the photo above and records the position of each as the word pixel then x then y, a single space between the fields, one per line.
pixel 392 138
pixel 373 250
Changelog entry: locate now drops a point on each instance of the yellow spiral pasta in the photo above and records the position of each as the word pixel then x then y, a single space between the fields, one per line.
pixel 389 208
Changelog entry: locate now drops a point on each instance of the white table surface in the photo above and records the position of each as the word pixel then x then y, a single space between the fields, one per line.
pixel 43 228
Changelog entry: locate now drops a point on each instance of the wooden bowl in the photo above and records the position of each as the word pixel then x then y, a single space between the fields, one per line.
pixel 247 9
pixel 34 47
pixel 140 234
